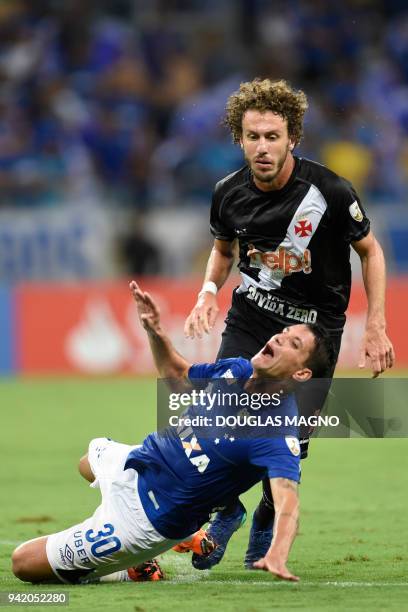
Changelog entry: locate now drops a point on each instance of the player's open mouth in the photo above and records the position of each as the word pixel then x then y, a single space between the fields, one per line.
pixel 268 350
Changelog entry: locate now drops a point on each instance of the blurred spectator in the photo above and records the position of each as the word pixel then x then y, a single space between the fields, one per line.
pixel 349 159
pixel 121 102
pixel 138 255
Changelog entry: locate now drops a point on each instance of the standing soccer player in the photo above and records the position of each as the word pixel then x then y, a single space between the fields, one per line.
pixel 294 221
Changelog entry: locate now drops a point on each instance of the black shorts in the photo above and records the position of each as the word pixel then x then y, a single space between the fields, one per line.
pixel 248 330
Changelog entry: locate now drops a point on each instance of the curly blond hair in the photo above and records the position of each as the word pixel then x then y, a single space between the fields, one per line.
pixel 266 95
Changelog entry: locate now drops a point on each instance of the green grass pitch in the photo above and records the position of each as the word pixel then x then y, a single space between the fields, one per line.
pixel 351 553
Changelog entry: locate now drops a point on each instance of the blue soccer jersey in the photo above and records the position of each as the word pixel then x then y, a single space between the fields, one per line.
pixel 186 473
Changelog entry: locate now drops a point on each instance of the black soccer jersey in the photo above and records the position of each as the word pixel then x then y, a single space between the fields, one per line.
pixel 294 243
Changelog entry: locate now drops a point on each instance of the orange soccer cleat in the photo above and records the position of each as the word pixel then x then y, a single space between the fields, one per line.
pixel 145 572
pixel 201 543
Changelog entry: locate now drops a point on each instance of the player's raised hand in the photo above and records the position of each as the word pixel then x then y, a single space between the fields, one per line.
pixel 275 567
pixel 149 313
pixel 203 316
pixel 378 349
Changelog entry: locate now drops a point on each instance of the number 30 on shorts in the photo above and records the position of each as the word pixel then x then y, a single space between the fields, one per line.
pixel 102 539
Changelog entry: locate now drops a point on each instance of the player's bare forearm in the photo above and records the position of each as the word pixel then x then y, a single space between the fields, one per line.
pixel 374 277
pixel 169 363
pixel 220 262
pixel 204 314
pixel 376 346
pixel 285 496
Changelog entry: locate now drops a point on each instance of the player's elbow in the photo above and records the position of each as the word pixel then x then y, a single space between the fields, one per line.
pixel 171 373
pixel 175 373
pixel 223 250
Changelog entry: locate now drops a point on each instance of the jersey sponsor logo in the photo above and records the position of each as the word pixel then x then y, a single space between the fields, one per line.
pixel 279 307
pixel 303 228
pixel 201 462
pixel 192 446
pixel 80 547
pixel 355 212
pixel 293 445
pixel 282 262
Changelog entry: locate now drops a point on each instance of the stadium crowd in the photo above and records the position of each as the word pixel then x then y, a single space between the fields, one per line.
pixel 121 101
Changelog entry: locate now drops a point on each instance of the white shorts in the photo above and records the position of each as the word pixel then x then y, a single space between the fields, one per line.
pixel 119 535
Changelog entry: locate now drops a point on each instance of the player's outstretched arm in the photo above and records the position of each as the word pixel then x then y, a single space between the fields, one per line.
pixel 285 497
pixel 376 346
pixel 203 316
pixel 169 363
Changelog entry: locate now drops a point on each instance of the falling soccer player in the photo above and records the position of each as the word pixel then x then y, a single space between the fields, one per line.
pixel 157 495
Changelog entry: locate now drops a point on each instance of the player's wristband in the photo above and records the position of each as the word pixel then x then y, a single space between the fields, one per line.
pixel 209 287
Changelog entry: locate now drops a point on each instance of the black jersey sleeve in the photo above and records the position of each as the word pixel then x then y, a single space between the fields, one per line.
pixel 351 214
pixel 217 227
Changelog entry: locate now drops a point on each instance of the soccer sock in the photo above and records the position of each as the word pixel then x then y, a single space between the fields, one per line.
pixel 230 509
pixel 264 515
pixel 121 576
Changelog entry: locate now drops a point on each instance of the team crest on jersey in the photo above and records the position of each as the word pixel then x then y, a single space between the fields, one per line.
pixel 355 211
pixel 303 228
pixel 293 445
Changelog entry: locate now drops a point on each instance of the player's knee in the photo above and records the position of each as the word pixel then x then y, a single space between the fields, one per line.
pixel 30 563
pixel 21 565
pixel 85 469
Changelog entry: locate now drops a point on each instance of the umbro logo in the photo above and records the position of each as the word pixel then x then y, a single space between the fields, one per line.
pixel 239 232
